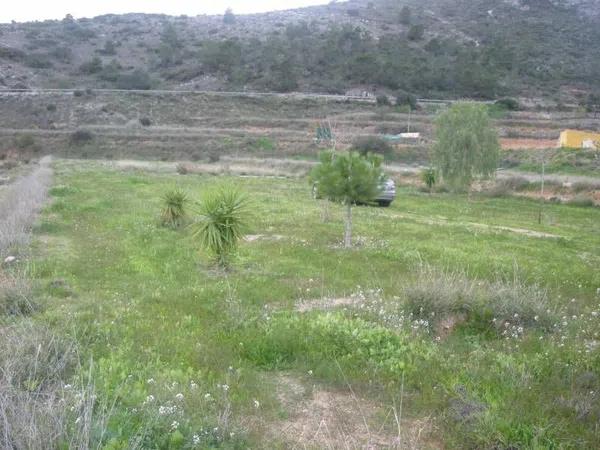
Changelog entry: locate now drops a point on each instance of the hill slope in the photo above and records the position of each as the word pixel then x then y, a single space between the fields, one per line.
pixel 451 48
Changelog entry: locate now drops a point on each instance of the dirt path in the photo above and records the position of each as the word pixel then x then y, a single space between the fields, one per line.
pixel 324 418
pixel 474 225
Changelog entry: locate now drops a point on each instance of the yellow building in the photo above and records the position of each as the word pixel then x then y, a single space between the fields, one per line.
pixel 579 139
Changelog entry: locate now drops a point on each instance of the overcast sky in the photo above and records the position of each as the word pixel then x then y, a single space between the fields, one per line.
pixel 26 10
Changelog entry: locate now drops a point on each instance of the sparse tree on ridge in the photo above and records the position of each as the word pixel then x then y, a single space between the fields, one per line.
pixel 229 17
pixel 405 15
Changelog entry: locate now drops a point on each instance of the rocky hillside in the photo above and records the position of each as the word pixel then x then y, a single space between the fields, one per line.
pixel 434 48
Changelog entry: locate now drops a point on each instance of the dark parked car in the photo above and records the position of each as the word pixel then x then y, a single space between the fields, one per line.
pixel 387 192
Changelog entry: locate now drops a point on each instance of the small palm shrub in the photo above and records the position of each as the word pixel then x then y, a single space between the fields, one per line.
pixel 221 225
pixel 428 176
pixel 173 213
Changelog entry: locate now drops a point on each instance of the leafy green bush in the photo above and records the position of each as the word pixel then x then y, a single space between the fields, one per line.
pixel 220 227
pixel 361 348
pixel 173 213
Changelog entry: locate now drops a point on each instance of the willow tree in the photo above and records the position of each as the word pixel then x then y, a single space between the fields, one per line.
pixel 466 146
pixel 348 178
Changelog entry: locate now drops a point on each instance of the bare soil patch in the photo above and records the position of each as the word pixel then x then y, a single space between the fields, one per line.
pixel 325 304
pixel 321 418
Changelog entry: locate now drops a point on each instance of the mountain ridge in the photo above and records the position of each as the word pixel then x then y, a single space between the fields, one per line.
pixel 455 48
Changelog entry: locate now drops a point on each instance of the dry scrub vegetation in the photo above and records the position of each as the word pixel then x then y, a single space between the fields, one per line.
pixel 39 408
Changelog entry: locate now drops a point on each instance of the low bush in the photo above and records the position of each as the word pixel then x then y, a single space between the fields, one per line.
pixel 145 121
pixel 361 348
pixel 436 294
pixel 15 296
pixel 506 186
pixel 24 141
pixel 182 169
pixel 383 100
pixel 404 98
pixel 510 104
pixel 81 137
pixel 582 201
pixel 373 144
pixel 137 80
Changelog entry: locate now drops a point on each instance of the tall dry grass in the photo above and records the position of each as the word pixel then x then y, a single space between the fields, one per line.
pixel 39 409
pixel 42 405
pixel 19 205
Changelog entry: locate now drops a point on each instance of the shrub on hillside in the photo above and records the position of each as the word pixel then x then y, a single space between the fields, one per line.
pixel 137 80
pixel 145 121
pixel 24 141
pixel 373 144
pixel 510 104
pixel 91 67
pixel 383 100
pixel 416 32
pixel 404 98
pixel 81 137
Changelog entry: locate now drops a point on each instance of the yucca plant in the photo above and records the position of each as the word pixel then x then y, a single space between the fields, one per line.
pixel 173 212
pixel 222 222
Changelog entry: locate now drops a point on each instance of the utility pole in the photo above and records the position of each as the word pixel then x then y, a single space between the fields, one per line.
pixel 542 188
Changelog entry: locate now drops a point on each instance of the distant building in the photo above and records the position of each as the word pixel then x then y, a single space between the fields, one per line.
pixel 579 139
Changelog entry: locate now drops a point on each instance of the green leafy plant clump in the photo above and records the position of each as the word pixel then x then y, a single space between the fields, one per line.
pixel 361 348
pixel 222 222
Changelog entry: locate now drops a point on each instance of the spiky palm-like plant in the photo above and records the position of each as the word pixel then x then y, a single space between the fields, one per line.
pixel 222 222
pixel 173 212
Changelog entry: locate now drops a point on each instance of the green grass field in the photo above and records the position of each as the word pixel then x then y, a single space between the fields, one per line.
pixel 189 357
